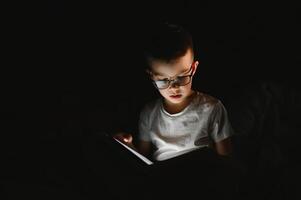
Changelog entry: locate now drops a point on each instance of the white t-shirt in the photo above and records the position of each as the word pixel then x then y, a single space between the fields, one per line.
pixel 203 120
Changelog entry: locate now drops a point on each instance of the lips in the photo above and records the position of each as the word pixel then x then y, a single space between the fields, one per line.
pixel 176 96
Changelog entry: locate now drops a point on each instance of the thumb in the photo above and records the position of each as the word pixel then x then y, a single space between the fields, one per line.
pixel 127 138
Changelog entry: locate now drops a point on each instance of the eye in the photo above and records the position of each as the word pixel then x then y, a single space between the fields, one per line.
pixel 163 80
pixel 181 77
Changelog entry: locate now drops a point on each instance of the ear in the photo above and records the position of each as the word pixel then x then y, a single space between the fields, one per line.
pixel 195 63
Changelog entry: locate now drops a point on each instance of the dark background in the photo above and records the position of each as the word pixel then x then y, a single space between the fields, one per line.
pixel 74 69
pixel 90 56
pixel 84 57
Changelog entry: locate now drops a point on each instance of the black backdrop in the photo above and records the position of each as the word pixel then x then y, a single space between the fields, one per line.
pixel 92 50
pixel 75 67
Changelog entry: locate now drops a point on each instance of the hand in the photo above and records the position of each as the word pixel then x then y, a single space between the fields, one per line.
pixel 125 138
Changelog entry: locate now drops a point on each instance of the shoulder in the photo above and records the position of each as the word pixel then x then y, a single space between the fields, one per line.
pixel 206 100
pixel 150 107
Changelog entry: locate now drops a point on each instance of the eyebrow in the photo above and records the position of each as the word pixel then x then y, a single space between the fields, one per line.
pixel 183 71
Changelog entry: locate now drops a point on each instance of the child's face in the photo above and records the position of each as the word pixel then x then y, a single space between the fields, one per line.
pixel 181 71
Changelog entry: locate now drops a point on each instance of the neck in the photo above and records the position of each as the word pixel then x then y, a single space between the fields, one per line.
pixel 176 108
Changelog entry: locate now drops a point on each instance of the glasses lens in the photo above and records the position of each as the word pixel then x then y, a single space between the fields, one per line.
pixel 162 84
pixel 183 80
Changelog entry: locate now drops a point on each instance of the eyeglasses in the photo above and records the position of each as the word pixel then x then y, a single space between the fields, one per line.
pixel 179 80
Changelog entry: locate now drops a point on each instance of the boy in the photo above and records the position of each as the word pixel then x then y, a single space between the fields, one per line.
pixel 184 119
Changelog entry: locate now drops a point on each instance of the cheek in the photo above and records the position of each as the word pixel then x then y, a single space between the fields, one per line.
pixel 163 93
pixel 186 88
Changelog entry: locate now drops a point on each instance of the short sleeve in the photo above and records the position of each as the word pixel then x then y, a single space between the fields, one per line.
pixel 220 125
pixel 144 126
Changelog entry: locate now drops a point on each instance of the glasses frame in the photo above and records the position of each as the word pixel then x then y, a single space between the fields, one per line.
pixel 175 79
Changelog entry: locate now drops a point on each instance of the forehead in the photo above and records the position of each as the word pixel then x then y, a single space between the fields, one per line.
pixel 176 67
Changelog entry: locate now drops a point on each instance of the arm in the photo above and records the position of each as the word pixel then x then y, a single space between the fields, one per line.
pixel 221 130
pixel 224 147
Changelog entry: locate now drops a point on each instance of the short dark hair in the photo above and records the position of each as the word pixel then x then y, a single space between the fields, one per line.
pixel 167 42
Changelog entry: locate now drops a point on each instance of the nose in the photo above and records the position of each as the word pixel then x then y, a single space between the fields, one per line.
pixel 174 84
